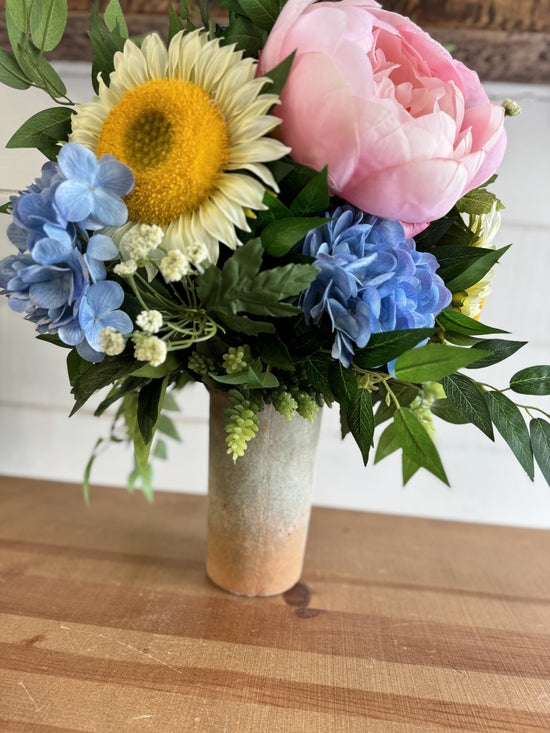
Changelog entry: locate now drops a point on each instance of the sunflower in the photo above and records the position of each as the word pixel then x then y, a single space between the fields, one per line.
pixel 190 122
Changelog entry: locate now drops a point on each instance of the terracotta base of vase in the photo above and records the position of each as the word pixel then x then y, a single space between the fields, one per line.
pixel 259 505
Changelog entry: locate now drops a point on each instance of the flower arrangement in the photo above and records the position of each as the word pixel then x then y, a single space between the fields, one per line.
pixel 292 208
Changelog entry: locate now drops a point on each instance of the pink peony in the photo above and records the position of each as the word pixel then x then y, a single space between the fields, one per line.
pixel 404 128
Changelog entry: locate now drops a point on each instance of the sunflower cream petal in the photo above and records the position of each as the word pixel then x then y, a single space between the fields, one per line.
pixel 191 123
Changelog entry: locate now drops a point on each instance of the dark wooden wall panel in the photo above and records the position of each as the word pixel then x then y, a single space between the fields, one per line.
pixel 506 40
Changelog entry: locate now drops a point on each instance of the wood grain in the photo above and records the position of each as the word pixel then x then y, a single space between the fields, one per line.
pixel 503 40
pixel 108 623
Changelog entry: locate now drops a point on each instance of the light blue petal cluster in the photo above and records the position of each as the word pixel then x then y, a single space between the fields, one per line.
pixel 371 280
pixel 57 279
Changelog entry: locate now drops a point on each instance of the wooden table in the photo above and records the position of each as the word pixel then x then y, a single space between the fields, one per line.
pixel 108 623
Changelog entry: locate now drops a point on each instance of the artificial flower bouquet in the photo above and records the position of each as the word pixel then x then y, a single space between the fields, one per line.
pixel 291 207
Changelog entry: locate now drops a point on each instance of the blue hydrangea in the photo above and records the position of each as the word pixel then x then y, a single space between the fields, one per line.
pixel 59 273
pixel 371 280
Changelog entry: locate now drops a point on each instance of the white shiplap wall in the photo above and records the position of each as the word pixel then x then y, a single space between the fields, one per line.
pixel 39 440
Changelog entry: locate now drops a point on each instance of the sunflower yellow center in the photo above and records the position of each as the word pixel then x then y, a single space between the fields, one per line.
pixel 175 140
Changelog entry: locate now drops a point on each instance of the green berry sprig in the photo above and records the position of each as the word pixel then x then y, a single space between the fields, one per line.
pixel 242 423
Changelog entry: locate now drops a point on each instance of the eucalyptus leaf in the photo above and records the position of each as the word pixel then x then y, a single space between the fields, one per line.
pixel 433 362
pixel 540 442
pixel 53 123
pixel 360 419
pixel 48 19
pixel 416 443
pixel 20 12
pixel 466 397
pixel 533 380
pixel 509 422
pixel 11 73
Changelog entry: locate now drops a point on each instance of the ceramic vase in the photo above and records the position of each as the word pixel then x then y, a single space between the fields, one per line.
pixel 259 505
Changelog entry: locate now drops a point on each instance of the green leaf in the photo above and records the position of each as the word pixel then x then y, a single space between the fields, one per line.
pixel 495 350
pixel 280 236
pixel 245 34
pixel 76 366
pixel 479 201
pixel 404 394
pixel 314 198
pixel 278 75
pixel 476 271
pixel 160 451
pixel 533 380
pixel 20 11
pixel 510 424
pixel 175 23
pixel 234 379
pixel 167 427
pixel 274 352
pixel 466 397
pixel 444 409
pixel 459 339
pixel 455 258
pixel 114 19
pixel 48 125
pixel 416 443
pixel 540 441
pixel 317 372
pixel 459 323
pixel 11 73
pixel 100 375
pixel 263 13
pixel 433 362
pixel 48 19
pixel 240 287
pixel 408 468
pixel 150 372
pixel 117 392
pixel 104 45
pixel 384 347
pixel 360 419
pixel 343 383
pixel 148 414
pixel 149 407
pixel 88 471
pixel 243 324
pixel 387 444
